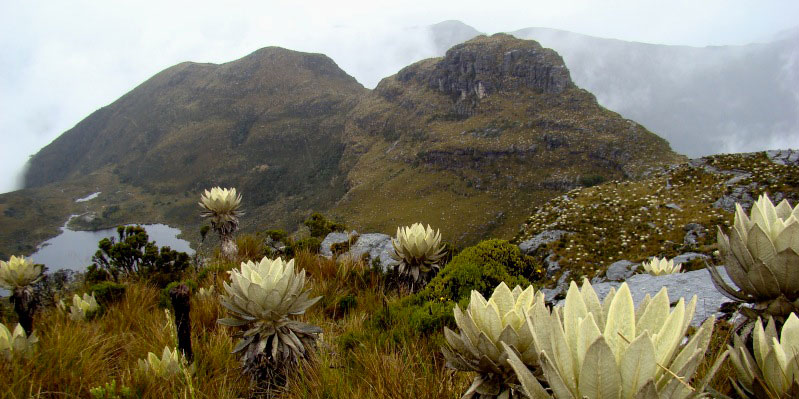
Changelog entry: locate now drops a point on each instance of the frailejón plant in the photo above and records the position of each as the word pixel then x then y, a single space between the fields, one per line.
pixel 19 272
pixel 222 205
pixel 761 256
pixel 261 298
pixel 484 327
pixel 83 308
pixel 15 343
pixel 18 275
pixel 611 350
pixel 773 371
pixel 170 363
pixel 418 251
pixel 659 267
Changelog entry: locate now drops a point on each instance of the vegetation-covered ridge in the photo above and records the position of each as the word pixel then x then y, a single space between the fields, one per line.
pixel 673 211
pixel 469 141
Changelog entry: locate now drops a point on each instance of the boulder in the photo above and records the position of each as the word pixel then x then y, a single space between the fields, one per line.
pixel 369 246
pixel 545 237
pixel 621 270
pixel 336 237
pixel 698 282
pixel 688 256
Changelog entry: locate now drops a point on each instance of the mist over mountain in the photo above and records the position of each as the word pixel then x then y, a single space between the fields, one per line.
pixel 703 100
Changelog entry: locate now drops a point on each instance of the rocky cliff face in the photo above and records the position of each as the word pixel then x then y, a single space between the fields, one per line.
pixel 465 140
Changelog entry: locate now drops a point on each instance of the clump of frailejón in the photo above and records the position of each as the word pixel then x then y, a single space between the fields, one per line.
pixel 170 363
pixel 611 350
pixel 484 327
pixel 222 206
pixel 773 371
pixel 83 308
pixel 659 267
pixel 261 298
pixel 16 342
pixel 761 256
pixel 419 251
pixel 18 275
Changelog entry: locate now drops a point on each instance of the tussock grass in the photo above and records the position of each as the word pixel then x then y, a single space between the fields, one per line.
pixel 354 358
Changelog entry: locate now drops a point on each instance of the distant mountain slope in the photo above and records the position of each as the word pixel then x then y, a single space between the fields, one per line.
pixel 703 100
pixel 468 141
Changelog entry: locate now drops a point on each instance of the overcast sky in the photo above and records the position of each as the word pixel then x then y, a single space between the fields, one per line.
pixel 61 60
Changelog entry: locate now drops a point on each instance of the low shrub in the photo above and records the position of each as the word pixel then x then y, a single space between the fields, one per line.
pixel 108 292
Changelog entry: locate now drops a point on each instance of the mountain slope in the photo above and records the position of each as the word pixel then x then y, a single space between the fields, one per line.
pixel 468 140
pixel 703 100
pixel 467 143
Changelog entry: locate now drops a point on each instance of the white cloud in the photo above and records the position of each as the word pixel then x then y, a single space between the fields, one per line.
pixel 59 61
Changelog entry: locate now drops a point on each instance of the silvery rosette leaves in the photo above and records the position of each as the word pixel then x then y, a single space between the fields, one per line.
pixel 773 370
pixel 612 350
pixel 761 256
pixel 261 297
pixel 418 249
pixel 18 272
pixel 484 327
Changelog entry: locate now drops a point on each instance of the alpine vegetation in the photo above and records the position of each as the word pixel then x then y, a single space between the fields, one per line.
pixel 659 267
pixel 18 275
pixel 484 327
pixel 419 252
pixel 611 350
pixel 168 365
pixel 83 308
pixel 761 256
pixel 261 297
pixel 15 343
pixel 773 371
pixel 222 206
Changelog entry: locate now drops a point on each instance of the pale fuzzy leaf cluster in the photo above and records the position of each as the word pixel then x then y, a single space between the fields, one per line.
pixel 659 267
pixel 83 308
pixel 775 362
pixel 761 256
pixel 222 202
pixel 15 342
pixel 592 349
pixel 261 297
pixel 484 327
pixel 418 249
pixel 170 363
pixel 206 292
pixel 18 272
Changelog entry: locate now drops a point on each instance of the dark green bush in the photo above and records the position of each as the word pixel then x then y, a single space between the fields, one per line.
pixel 309 244
pixel 481 267
pixel 135 256
pixel 108 292
pixel 320 226
pixel 276 235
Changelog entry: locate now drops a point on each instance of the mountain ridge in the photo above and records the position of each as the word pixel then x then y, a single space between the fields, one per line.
pixel 467 140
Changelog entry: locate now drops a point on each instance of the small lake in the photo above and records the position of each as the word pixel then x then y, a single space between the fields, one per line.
pixel 74 249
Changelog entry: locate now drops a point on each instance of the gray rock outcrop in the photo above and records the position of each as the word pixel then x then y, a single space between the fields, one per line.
pixel 621 270
pixel 709 300
pixel 545 237
pixel 370 246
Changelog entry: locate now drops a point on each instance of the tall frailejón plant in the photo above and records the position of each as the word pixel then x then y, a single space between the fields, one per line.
pixel 222 205
pixel 773 371
pixel 761 256
pixel 483 328
pixel 419 252
pixel 261 298
pixel 611 350
pixel 16 342
pixel 18 276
